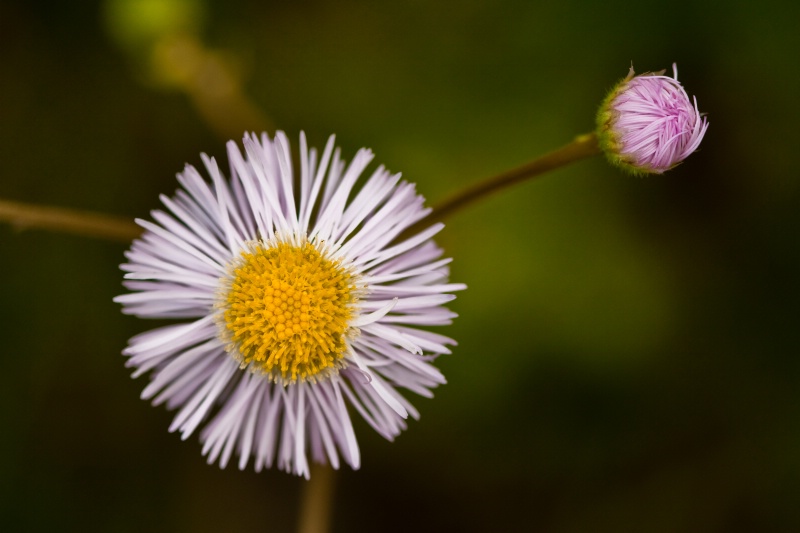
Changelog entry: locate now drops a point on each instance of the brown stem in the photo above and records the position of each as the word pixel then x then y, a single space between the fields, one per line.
pixel 582 147
pixel 27 216
pixel 315 508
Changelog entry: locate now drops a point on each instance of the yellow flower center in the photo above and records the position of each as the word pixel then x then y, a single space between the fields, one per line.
pixel 287 310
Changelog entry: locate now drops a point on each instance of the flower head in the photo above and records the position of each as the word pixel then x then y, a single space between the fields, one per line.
pixel 299 300
pixel 647 124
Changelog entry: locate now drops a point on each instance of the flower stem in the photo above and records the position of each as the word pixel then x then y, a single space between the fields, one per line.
pixel 315 508
pixel 582 147
pixel 27 216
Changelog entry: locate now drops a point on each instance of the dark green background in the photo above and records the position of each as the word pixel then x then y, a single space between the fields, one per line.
pixel 628 348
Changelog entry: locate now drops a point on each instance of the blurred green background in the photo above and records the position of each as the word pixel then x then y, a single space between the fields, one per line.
pixel 628 348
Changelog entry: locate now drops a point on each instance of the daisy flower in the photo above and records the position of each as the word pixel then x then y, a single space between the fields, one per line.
pixel 299 299
pixel 648 124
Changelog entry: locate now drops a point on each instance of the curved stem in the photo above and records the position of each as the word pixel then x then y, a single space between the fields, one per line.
pixel 28 216
pixel 315 508
pixel 582 147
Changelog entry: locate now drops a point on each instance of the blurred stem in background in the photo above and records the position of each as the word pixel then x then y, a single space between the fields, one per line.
pixel 315 507
pixel 211 81
pixel 162 39
pixel 29 216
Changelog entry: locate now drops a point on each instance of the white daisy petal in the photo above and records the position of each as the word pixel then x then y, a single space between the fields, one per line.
pixel 363 320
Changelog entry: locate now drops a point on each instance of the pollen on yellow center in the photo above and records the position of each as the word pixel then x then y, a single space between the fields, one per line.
pixel 287 311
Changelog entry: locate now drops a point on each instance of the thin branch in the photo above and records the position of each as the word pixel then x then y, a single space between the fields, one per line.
pixel 315 508
pixel 27 216
pixel 582 147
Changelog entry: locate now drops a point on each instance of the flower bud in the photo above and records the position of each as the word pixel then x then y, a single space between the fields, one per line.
pixel 647 124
